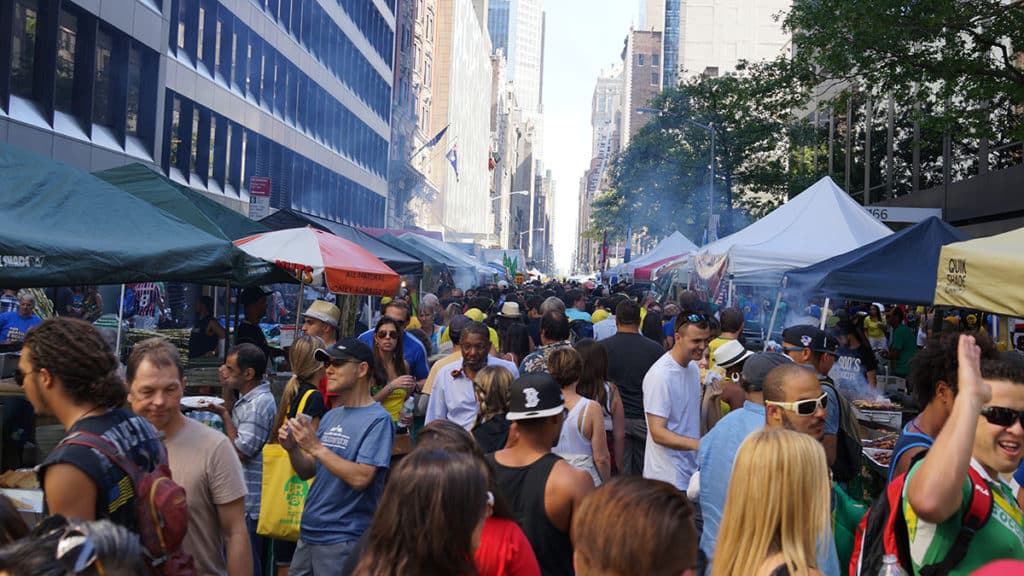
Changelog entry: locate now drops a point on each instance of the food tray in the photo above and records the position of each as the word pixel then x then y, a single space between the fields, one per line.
pixel 888 418
pixel 878 460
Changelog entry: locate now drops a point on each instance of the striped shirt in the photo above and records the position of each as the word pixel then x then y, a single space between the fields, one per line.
pixel 253 416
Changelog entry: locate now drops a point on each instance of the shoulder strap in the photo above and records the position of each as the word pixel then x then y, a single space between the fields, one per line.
pixel 979 508
pixel 582 419
pixel 302 403
pixel 105 447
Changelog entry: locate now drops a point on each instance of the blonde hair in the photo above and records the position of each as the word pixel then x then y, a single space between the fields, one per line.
pixel 305 366
pixel 491 385
pixel 784 476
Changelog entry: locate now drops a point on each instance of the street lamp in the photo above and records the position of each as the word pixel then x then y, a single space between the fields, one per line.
pixel 525 232
pixel 711 129
pixel 513 193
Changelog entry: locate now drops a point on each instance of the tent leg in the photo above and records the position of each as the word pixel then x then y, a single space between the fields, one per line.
pixel 771 323
pixel 824 315
pixel 120 321
pixel 227 313
pixel 298 303
pixel 732 291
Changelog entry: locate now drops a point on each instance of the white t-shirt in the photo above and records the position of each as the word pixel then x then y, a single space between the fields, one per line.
pixel 605 328
pixel 672 392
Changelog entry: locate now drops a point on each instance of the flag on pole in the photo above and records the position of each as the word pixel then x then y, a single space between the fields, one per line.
pixel 453 159
pixel 433 141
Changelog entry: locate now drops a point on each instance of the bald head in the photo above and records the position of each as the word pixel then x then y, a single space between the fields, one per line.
pixel 780 383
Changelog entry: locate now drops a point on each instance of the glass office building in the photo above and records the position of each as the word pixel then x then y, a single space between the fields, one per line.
pixel 211 92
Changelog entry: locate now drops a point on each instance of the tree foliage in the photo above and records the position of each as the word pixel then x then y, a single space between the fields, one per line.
pixel 660 182
pixel 961 58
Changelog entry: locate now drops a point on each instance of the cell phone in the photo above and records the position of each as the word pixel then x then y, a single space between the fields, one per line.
pixel 305 417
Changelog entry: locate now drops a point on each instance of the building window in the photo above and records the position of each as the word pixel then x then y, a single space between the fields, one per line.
pixel 655 78
pixel 175 143
pixel 430 27
pixel 103 95
pixel 23 49
pixel 655 59
pixel 134 81
pixel 67 39
pixel 640 59
pixel 427 72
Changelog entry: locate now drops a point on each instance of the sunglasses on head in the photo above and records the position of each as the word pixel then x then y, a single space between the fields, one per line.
pixel 803 407
pixel 387 334
pixel 1001 416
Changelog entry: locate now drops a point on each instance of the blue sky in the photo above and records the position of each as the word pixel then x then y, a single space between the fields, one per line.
pixel 582 38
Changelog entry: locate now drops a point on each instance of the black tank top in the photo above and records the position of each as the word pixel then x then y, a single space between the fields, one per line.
pixel 200 343
pixel 523 487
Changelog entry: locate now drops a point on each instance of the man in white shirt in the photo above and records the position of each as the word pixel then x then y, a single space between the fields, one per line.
pixel 453 396
pixel 672 404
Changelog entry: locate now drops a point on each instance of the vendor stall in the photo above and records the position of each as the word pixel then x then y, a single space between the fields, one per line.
pixel 980 274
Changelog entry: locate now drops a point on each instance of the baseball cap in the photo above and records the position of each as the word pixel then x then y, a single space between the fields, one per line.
pixel 805 336
pixel 757 367
pixel 731 353
pixel 324 311
pixel 346 349
pixel 476 315
pixel 534 396
pixel 250 295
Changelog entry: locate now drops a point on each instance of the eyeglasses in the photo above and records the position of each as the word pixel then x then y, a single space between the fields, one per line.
pixel 387 335
pixel 1001 416
pixel 338 362
pixel 19 376
pixel 803 407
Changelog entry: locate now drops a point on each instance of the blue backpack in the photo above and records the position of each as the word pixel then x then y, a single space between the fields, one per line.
pixel 129 304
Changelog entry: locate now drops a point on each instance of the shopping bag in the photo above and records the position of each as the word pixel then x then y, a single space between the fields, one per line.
pixel 283 493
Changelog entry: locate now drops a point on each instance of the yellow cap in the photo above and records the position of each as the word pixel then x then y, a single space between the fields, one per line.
pixel 599 314
pixel 476 315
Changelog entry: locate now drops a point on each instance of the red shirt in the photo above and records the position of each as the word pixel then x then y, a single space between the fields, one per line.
pixel 504 550
pixel 328 396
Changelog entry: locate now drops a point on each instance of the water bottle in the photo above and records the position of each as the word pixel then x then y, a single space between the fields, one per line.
pixel 405 416
pixel 891 567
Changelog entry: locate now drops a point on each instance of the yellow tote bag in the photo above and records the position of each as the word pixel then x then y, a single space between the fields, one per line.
pixel 283 493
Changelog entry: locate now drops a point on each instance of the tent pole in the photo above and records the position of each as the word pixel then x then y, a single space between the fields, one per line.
pixel 120 321
pixel 227 313
pixel 728 300
pixel 299 301
pixel 824 315
pixel 771 323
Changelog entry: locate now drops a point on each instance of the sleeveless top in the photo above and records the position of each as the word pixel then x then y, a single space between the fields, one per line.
pixel 906 441
pixel 572 445
pixel 523 488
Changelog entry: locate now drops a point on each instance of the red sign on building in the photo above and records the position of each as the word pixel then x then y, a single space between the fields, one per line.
pixel 259 186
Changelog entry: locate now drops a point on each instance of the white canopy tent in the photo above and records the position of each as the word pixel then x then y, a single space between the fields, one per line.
pixel 819 223
pixel 675 245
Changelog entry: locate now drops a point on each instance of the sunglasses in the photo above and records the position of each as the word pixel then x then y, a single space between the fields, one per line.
pixel 691 318
pixel 387 335
pixel 19 376
pixel 803 407
pixel 1001 416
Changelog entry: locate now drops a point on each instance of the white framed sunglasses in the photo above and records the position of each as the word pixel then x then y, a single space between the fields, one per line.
pixel 803 407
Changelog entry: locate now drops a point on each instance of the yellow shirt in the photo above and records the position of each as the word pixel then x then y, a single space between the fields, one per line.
pixel 874 328
pixel 428 386
pixel 712 346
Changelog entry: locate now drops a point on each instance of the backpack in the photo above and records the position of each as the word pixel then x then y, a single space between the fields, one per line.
pixel 883 530
pixel 848 444
pixel 581 329
pixel 161 513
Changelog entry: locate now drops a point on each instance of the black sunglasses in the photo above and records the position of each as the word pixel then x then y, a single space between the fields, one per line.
pixel 338 363
pixel 387 335
pixel 1001 416
pixel 19 376
pixel 691 318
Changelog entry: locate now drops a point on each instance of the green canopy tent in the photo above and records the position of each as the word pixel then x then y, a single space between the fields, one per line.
pixel 61 226
pixel 181 201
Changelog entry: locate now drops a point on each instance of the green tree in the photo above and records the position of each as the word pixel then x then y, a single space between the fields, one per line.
pixel 660 182
pixel 961 58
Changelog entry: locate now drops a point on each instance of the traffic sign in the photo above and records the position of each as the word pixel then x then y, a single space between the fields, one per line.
pixel 900 214
pixel 259 197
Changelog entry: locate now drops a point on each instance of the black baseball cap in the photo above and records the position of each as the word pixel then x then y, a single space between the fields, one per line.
pixel 346 349
pixel 252 294
pixel 757 367
pixel 805 336
pixel 534 396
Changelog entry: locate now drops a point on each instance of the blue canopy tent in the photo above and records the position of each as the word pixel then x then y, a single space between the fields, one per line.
pixel 897 268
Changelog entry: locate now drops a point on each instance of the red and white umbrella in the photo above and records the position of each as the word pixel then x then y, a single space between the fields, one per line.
pixel 321 259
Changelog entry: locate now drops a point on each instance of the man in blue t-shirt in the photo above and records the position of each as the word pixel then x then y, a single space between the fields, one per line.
pixel 14 325
pixel 349 455
pixel 415 353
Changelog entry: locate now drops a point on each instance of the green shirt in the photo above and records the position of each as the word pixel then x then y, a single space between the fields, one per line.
pixel 1002 536
pixel 905 341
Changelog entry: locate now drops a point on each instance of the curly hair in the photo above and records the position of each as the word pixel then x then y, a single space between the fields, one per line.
pixel 937 361
pixel 75 353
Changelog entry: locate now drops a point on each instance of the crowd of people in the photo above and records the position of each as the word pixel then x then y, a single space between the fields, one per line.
pixel 522 430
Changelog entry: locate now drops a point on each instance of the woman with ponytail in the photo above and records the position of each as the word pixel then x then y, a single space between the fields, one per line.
pixel 306 374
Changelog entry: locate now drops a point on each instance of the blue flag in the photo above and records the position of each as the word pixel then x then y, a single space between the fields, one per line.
pixel 453 159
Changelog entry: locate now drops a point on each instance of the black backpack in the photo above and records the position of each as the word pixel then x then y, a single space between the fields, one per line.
pixel 581 329
pixel 848 444
pixel 883 530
